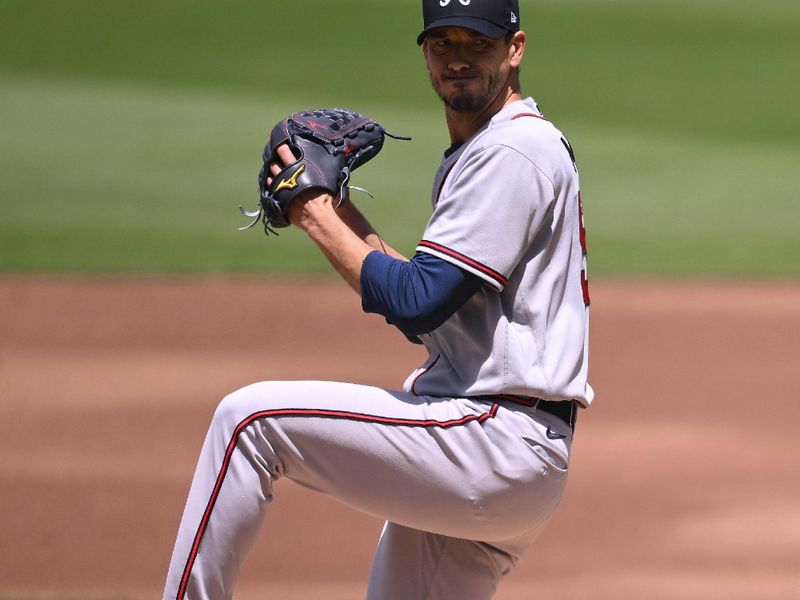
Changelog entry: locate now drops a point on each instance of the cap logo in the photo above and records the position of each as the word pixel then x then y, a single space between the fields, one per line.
pixel 489 18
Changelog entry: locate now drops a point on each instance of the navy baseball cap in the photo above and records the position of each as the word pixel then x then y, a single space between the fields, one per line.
pixel 492 18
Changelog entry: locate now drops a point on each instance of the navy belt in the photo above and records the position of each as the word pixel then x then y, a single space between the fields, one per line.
pixel 566 410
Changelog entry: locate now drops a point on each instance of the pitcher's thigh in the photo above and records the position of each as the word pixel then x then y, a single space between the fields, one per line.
pixel 416 565
pixel 434 464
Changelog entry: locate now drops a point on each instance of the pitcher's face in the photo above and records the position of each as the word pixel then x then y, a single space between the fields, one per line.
pixel 467 70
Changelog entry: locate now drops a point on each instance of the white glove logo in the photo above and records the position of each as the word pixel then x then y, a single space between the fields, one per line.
pixel 446 2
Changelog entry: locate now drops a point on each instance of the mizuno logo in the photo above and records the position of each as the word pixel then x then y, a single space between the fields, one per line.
pixel 291 182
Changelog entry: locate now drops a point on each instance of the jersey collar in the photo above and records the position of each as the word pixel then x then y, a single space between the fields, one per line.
pixel 508 112
pixel 526 106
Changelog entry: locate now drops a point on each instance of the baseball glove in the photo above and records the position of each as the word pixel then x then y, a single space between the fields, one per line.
pixel 330 144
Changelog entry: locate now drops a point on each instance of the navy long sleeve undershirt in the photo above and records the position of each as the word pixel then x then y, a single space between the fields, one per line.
pixel 415 296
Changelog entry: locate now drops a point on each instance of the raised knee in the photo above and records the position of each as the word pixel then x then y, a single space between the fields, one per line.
pixel 228 409
pixel 245 401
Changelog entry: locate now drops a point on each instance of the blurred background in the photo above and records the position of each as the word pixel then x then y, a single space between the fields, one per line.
pixel 130 132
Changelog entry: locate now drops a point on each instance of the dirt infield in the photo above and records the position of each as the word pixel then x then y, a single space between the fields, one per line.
pixel 684 479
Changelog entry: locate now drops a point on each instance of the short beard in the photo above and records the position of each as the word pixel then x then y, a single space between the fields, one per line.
pixel 467 102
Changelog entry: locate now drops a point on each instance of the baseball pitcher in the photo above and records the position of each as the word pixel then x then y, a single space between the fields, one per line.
pixel 468 461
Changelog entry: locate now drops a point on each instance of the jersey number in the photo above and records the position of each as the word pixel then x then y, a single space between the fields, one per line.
pixel 584 276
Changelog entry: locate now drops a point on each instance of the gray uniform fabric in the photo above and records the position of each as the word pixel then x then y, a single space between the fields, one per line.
pixel 506 208
pixel 464 483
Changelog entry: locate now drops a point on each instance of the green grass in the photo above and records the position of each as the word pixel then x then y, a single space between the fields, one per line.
pixel 120 178
pixel 131 131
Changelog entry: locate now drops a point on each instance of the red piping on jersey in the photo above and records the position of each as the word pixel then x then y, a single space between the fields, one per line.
pixel 528 115
pixel 304 412
pixel 422 372
pixel 466 260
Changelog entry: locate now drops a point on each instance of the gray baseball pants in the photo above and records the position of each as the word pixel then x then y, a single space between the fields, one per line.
pixel 464 485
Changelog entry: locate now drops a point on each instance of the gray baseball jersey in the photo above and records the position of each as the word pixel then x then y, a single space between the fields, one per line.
pixel 526 331
pixel 465 482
